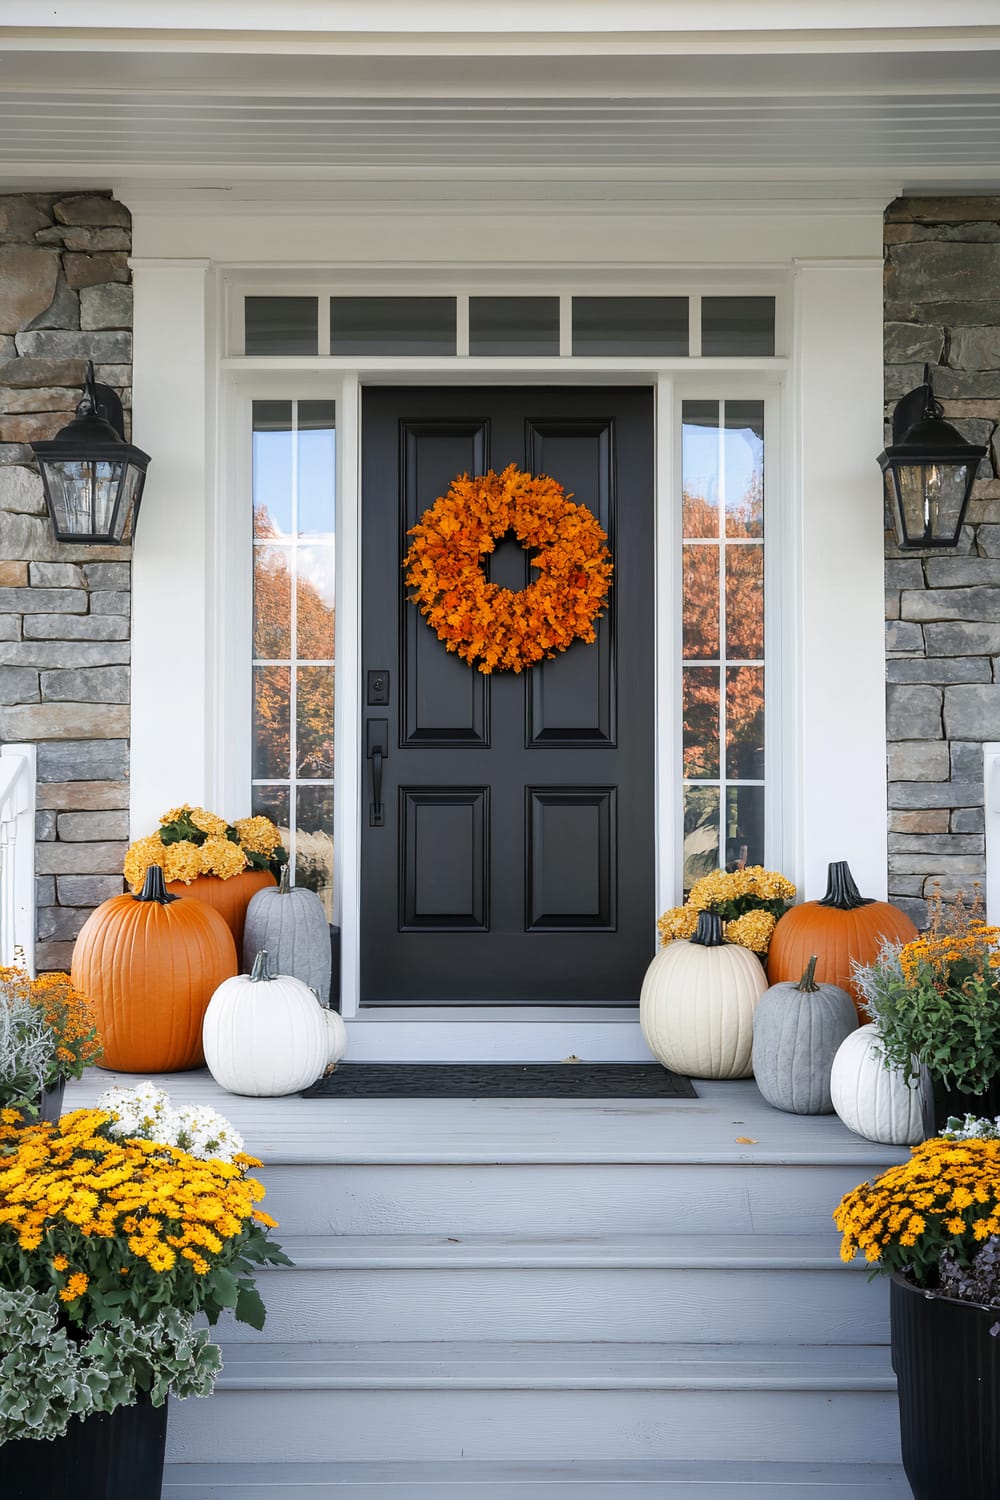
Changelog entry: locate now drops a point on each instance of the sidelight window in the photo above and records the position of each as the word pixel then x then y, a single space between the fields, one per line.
pixel 294 630
pixel 722 635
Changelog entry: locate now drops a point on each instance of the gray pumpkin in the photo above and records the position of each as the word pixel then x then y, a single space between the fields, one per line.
pixel 797 1029
pixel 292 925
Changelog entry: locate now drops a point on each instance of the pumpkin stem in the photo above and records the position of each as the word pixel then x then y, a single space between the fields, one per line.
pixel 807 984
pixel 708 933
pixel 284 889
pixel 153 887
pixel 261 968
pixel 841 892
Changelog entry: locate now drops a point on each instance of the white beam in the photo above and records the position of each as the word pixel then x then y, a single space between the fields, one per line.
pixel 170 723
pixel 837 391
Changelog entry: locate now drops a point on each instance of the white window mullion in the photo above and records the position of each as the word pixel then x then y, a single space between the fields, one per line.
pixel 723 769
pixel 293 651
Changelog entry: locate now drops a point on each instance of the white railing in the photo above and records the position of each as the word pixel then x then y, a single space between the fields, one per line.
pixel 17 856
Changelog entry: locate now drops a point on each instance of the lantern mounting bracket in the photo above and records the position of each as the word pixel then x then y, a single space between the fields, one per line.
pixel 102 401
pixel 916 406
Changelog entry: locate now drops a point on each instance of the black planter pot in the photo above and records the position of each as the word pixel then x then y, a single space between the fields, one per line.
pixel 948 1368
pixel 949 1102
pixel 115 1457
pixel 51 1102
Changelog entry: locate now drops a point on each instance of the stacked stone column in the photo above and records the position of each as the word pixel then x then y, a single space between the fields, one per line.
pixel 65 297
pixel 942 306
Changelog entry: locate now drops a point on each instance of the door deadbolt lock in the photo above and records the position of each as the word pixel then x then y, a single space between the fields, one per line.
pixel 378 689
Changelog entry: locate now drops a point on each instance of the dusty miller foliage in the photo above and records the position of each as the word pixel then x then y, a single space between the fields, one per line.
pixel 48 1377
pixel 27 1048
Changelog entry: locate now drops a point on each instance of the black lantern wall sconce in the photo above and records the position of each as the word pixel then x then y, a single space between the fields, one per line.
pixel 928 471
pixel 92 478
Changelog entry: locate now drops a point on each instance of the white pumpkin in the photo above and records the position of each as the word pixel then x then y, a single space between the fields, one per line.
pixel 874 1101
pixel 336 1035
pixel 291 923
pixel 697 1004
pixel 265 1034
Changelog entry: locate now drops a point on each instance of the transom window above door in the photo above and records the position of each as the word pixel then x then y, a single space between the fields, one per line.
pixel 498 326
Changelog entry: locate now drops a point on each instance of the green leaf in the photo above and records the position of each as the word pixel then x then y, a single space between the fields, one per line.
pixel 224 1287
pixel 250 1308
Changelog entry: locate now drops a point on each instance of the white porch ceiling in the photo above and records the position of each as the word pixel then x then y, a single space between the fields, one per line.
pixel 917 109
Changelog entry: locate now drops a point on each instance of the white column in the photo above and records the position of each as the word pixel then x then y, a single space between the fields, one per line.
pixel 840 666
pixel 170 395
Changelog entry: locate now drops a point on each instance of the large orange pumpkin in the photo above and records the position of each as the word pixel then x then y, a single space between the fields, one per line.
pixel 228 897
pixel 151 963
pixel 843 927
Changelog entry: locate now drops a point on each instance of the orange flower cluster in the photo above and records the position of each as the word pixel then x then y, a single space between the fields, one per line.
pixel 68 1014
pixel 977 946
pixel 495 628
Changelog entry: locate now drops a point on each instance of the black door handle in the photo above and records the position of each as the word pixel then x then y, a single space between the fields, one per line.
pixel 377 752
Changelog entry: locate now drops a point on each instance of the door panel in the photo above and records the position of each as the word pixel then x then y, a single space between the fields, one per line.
pixel 514 860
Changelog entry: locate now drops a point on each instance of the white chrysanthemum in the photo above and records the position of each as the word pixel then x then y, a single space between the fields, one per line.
pixel 146 1112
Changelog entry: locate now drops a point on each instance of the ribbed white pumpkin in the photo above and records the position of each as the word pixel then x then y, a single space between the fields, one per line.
pixel 872 1100
pixel 292 925
pixel 336 1036
pixel 697 1003
pixel 265 1034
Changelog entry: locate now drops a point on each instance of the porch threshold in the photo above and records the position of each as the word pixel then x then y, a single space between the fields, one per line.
pixel 514 1033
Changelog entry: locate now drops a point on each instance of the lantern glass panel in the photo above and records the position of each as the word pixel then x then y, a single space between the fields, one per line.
pixel 930 499
pixel 93 498
pixel 83 494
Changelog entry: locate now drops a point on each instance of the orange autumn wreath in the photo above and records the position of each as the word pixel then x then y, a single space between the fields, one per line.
pixel 493 627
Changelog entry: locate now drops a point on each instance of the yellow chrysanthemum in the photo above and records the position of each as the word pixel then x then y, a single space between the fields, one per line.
pixel 75 1287
pixel 142 854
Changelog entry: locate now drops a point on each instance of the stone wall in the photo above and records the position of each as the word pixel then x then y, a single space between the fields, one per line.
pixel 942 305
pixel 65 296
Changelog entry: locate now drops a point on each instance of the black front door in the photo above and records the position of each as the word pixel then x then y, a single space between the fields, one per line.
pixel 514 857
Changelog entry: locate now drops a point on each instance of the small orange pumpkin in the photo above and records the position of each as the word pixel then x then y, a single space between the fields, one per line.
pixel 230 898
pixel 151 963
pixel 843 927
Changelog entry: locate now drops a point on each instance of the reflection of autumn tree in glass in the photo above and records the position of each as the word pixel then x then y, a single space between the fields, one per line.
pixel 744 633
pixel 272 640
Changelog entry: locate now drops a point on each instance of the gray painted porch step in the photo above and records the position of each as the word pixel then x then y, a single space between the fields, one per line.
pixel 506 1480
pixel 676 1287
pixel 440 1401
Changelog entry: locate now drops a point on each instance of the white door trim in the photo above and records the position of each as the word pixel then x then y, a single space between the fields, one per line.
pixel 385 1032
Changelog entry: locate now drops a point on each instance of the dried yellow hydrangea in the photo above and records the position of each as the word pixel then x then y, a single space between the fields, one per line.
pixel 753 930
pixel 754 880
pixel 183 862
pixel 207 852
pixel 142 854
pixel 679 922
pixel 208 822
pixel 259 835
pixel 222 858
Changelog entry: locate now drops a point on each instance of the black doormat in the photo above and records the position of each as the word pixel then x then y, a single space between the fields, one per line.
pixel 501 1081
